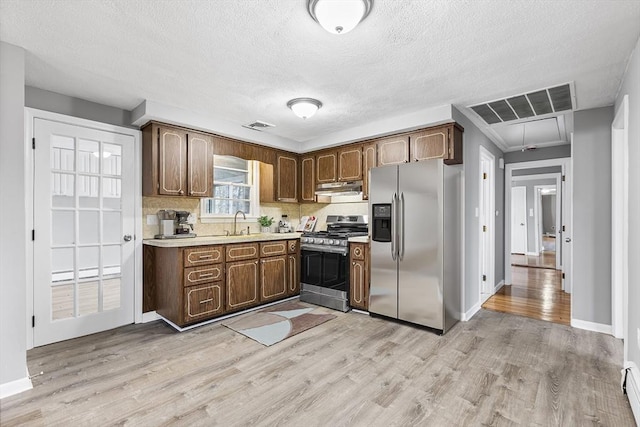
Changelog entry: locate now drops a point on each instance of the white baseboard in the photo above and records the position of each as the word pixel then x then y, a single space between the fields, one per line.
pixel 498 286
pixel 591 326
pixel 633 389
pixel 150 316
pixel 471 312
pixel 15 387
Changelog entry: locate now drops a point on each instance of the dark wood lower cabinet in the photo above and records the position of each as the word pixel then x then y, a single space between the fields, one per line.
pixel 359 276
pixel 242 285
pixel 273 278
pixel 197 283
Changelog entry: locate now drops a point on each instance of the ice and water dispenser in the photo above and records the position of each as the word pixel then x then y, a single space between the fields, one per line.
pixel 381 222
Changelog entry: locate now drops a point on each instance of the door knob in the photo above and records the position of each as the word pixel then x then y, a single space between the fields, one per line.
pixel 127 237
pixel 522 223
pixel 568 240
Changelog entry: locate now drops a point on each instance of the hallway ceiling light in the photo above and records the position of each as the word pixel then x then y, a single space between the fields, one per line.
pixel 339 16
pixel 304 107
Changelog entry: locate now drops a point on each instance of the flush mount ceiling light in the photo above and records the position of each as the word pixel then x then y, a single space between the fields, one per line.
pixel 339 16
pixel 304 107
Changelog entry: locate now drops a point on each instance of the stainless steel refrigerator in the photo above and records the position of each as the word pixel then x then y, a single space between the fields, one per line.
pixel 415 220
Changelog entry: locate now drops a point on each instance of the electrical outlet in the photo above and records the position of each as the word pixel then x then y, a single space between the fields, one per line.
pixel 152 219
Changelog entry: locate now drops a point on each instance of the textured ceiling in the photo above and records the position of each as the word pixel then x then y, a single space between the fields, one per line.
pixel 243 60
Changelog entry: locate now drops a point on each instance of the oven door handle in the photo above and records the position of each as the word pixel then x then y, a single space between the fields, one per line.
pixel 394 225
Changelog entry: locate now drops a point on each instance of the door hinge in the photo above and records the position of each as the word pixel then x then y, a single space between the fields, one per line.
pixel 484 277
pixel 484 175
pixel 33 235
pixel 563 228
pixel 33 143
pixel 484 228
pixel 33 321
pixel 563 275
pixel 563 178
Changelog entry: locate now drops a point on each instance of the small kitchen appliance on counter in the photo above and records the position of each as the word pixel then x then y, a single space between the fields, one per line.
pixel 174 225
pixel 284 226
pixel 325 261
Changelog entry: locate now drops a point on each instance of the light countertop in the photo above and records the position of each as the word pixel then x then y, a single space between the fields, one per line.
pixel 219 240
pixel 359 239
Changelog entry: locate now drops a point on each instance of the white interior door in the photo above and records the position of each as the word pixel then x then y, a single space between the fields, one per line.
pixel 84 223
pixel 487 222
pixel 519 220
pixel 566 229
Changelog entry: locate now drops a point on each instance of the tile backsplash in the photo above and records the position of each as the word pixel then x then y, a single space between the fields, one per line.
pixel 151 206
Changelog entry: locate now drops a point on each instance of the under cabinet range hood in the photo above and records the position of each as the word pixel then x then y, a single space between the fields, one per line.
pixel 351 188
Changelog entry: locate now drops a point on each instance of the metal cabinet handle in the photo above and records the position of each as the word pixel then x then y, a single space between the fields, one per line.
pixel 181 192
pixel 401 233
pixel 127 237
pixel 206 301
pixel 393 227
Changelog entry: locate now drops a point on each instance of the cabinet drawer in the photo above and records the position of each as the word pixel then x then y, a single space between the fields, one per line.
pixel 292 246
pixel 202 255
pixel 242 251
pixel 203 301
pixel 357 251
pixel 273 248
pixel 203 274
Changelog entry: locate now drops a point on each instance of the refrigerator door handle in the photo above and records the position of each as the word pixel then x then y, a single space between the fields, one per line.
pixel 394 220
pixel 401 233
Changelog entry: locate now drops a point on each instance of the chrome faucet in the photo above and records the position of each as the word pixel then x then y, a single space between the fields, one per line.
pixel 235 219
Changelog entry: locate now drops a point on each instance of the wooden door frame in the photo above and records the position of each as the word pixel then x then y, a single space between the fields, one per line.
pixel 565 163
pixel 620 222
pixel 30 115
pixel 489 209
pixel 538 213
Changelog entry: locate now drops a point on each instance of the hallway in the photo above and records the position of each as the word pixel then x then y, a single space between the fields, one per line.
pixel 536 293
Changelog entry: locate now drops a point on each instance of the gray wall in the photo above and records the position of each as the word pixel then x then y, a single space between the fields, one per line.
pixel 545 153
pixel 592 215
pixel 473 139
pixel 76 107
pixel 536 171
pixel 531 200
pixel 13 235
pixel 631 86
pixel 548 206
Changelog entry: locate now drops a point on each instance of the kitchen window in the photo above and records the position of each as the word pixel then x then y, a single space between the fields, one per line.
pixel 235 187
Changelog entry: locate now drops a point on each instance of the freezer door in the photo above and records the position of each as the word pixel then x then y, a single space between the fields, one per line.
pixel 420 268
pixel 383 294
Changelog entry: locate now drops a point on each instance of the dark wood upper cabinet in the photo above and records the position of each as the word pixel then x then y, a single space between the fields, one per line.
pixel 393 150
pixel 200 165
pixel 326 167
pixel 176 162
pixel 444 142
pixel 287 178
pixel 307 179
pixel 368 161
pixel 172 162
pixel 350 163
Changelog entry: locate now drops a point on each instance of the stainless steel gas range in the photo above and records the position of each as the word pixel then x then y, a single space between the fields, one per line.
pixel 325 261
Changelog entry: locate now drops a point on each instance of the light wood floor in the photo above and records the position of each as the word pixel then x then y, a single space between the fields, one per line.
pixel 546 259
pixel 535 293
pixel 496 369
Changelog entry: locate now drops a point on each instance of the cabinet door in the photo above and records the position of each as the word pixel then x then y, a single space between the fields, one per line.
pixel 326 167
pixel 455 145
pixel 393 150
pixel 292 246
pixel 241 251
pixel 203 301
pixel 242 285
pixel 200 166
pixel 307 179
pixel 350 163
pixel 172 162
pixel 273 278
pixel 358 290
pixel 368 162
pixel 430 144
pixel 287 184
pixel 279 247
pixel 293 273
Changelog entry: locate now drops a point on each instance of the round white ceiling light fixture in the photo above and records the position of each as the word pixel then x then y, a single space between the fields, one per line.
pixel 339 16
pixel 304 107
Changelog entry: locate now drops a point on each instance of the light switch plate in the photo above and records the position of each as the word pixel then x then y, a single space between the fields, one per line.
pixel 152 219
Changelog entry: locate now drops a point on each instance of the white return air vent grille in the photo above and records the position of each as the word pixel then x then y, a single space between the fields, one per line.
pixel 258 125
pixel 533 104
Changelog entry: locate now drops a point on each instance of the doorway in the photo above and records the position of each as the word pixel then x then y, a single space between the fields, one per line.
pixel 84 230
pixel 536 221
pixel 487 224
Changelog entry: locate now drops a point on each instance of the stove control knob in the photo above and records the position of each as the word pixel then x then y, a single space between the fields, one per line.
pixel 318 241
pixel 344 243
pixel 337 242
pixel 329 242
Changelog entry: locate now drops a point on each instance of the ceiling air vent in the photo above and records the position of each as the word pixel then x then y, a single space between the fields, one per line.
pixel 258 125
pixel 533 104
